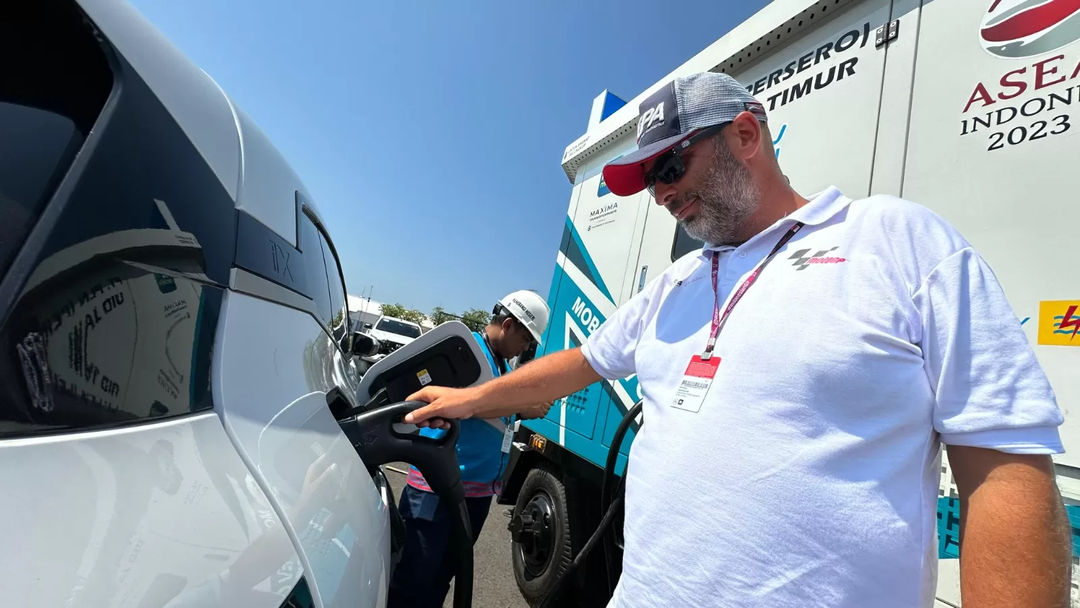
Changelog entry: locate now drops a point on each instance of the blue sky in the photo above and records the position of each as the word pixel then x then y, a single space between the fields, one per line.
pixel 430 133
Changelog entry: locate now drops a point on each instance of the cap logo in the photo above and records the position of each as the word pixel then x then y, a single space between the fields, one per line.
pixel 653 117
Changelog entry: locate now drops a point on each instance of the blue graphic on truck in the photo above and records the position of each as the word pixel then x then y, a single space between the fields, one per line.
pixel 584 422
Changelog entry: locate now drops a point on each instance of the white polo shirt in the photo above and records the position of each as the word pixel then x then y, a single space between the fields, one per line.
pixel 809 476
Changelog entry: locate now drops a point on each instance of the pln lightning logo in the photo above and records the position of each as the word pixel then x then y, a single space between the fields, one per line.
pixel 1059 323
pixel 1070 320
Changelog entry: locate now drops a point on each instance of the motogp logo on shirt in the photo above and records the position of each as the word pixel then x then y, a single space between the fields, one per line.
pixel 1025 28
pixel 802 261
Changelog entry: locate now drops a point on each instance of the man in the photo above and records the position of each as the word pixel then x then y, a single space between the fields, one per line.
pixel 422 578
pixel 800 374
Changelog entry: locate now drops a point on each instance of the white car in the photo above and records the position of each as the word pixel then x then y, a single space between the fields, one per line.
pixel 393 333
pixel 173 343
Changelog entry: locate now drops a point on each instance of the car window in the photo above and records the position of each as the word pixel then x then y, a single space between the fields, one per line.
pixel 54 86
pixel 315 283
pixel 397 327
pixel 118 291
pixel 38 146
pixel 337 324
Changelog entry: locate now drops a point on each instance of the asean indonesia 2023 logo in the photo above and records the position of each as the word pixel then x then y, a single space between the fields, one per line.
pixel 1024 28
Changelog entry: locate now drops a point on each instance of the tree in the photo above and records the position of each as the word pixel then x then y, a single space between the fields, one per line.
pixel 439 316
pixel 475 318
pixel 394 310
pixel 400 312
pixel 413 315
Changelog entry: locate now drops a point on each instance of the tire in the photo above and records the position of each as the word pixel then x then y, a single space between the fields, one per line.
pixel 542 548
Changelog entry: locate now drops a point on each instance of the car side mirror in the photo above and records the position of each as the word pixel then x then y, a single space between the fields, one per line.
pixel 367 325
pixel 364 345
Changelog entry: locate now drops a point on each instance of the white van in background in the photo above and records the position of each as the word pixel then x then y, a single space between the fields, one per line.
pixel 393 333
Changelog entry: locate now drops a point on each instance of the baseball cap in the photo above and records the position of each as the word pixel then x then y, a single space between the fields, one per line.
pixel 671 115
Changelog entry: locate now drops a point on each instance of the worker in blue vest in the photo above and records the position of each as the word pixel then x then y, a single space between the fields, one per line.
pixel 422 578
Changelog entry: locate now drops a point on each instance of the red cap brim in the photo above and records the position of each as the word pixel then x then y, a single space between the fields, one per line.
pixel 626 175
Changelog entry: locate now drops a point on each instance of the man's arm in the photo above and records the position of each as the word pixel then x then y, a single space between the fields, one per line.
pixel 543 380
pixel 1015 542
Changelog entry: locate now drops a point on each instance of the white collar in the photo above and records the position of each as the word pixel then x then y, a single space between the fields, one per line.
pixel 820 208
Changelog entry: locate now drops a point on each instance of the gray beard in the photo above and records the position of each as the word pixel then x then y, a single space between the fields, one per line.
pixel 727 198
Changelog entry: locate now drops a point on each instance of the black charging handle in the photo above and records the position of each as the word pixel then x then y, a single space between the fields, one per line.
pixel 374 437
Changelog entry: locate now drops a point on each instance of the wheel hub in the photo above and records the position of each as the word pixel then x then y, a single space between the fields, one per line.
pixel 533 534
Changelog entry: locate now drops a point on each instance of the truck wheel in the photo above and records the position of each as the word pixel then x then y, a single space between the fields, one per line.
pixel 540 529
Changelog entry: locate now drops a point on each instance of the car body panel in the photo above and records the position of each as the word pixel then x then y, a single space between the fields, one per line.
pixel 139 516
pixel 273 371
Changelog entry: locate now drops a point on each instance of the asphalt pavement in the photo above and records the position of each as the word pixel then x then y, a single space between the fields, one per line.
pixel 493 577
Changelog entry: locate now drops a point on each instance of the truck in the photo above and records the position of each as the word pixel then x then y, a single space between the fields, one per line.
pixel 966 107
pixel 393 333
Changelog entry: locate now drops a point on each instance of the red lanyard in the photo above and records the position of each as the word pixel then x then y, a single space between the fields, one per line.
pixel 719 320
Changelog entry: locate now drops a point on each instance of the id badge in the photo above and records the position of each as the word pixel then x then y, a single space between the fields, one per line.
pixel 508 438
pixel 695 383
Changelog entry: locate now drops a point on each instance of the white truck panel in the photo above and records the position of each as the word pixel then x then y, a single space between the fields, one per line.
pixel 604 221
pixel 896 99
pixel 1015 202
pixel 826 114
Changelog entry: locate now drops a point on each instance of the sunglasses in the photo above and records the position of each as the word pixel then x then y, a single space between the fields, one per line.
pixel 669 166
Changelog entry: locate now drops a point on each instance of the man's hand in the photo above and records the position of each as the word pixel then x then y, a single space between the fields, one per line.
pixel 443 404
pixel 540 381
pixel 535 411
